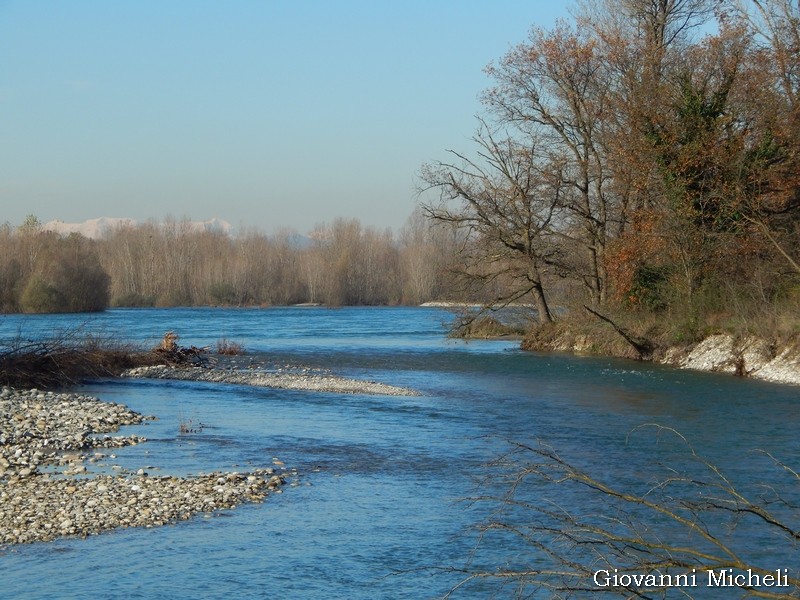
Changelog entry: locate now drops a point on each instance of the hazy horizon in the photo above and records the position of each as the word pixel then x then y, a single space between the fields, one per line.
pixel 266 115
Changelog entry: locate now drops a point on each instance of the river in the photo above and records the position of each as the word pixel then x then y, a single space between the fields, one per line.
pixel 378 509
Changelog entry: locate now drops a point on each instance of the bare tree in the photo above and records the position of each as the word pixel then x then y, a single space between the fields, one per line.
pixel 508 203
pixel 777 24
pixel 554 90
pixel 427 250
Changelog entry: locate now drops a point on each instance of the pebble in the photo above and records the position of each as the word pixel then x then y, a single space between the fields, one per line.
pixel 55 428
pixel 38 429
pixel 262 378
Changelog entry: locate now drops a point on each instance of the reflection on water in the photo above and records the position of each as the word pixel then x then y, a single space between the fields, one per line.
pixel 381 477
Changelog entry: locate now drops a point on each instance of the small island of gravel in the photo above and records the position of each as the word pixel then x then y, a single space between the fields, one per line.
pixel 45 440
pixel 307 380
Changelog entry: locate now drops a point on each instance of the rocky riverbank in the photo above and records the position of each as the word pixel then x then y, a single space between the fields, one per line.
pixel 39 508
pixel 747 357
pixel 42 432
pixel 319 382
pixel 724 353
pixel 45 428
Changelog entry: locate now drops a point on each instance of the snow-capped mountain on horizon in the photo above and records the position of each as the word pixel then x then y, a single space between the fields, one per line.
pixel 99 227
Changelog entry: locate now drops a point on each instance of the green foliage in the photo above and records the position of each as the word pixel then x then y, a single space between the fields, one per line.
pixel 767 153
pixel 694 149
pixel 650 287
pixel 41 297
pixel 10 281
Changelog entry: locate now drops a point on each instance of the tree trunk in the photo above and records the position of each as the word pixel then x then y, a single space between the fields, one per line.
pixel 542 309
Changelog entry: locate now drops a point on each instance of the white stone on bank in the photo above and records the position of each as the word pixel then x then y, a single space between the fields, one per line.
pixel 750 357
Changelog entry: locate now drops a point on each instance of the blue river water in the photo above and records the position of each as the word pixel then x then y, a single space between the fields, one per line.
pixel 379 509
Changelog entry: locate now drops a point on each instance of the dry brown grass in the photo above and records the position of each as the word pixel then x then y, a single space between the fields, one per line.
pixel 67 360
pixel 578 331
pixel 229 348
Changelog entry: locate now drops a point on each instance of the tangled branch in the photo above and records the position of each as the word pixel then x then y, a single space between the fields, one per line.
pixel 636 543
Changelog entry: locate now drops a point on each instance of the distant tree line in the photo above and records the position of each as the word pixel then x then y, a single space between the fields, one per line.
pixel 172 264
pixel 642 158
pixel 44 272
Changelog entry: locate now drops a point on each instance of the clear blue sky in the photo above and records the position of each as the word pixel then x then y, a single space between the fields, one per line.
pixel 263 113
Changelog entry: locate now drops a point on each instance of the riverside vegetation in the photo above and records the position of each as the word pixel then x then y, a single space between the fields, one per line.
pixel 639 163
pixel 634 178
pixel 172 264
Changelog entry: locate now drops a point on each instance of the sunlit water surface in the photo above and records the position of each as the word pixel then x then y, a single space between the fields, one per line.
pixel 379 507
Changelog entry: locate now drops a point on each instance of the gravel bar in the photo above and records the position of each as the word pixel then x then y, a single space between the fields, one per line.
pixel 285 381
pixel 41 431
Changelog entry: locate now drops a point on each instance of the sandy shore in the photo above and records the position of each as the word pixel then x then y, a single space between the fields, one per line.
pixel 282 380
pixel 46 440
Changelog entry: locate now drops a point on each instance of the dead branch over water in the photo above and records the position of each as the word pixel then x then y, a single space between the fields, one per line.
pixel 687 528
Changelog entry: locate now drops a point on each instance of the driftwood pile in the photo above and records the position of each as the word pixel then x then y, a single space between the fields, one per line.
pixel 176 355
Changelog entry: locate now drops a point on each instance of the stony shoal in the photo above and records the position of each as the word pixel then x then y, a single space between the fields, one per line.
pixel 288 381
pixel 45 429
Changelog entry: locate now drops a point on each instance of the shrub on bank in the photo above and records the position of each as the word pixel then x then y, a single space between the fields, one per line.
pixel 485 327
pixel 66 360
pixel 227 347
pixel 40 297
pixel 68 279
